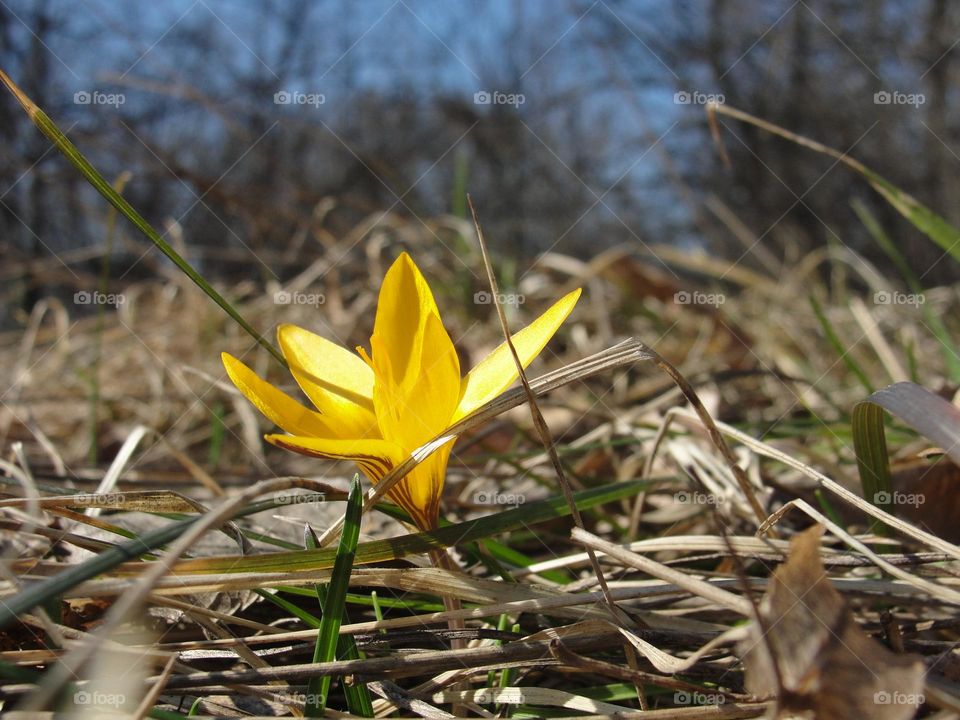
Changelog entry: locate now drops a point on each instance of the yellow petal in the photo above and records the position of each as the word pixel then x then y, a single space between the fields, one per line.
pixel 276 405
pixel 375 457
pixel 418 493
pixel 496 372
pixel 403 307
pixel 411 412
pixel 338 383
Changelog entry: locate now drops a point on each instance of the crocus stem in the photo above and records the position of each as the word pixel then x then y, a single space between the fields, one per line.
pixel 442 561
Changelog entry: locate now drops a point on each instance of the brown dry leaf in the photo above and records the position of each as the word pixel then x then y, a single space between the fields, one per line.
pixel 828 667
pixel 925 493
pixel 84 613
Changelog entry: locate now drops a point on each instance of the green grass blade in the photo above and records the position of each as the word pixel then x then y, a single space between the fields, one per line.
pixel 369 552
pixel 76 158
pixel 218 432
pixel 335 601
pixel 838 346
pixel 873 463
pixel 889 247
pixel 298 612
pixel 930 318
pixel 377 607
pixel 118 186
pixel 358 697
pixel 505 553
pixel 39 593
pixel 920 216
pixel 419 543
pixel 824 502
pixel 412 605
pixel 925 412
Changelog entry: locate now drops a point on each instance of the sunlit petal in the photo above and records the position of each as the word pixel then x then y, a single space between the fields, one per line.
pixel 375 457
pixel 496 372
pixel 418 493
pixel 403 307
pixel 339 383
pixel 276 405
pixel 415 410
pixel 377 409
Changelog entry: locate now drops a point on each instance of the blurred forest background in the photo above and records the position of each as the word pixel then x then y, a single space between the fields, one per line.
pixel 252 130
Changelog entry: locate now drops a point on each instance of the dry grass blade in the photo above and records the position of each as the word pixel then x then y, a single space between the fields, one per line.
pixel 941 590
pixel 523 652
pixel 156 501
pixel 767 450
pixel 399 698
pixel 530 696
pixel 623 353
pixel 541 425
pixel 71 664
pixel 693 585
pixel 563 654
pixel 652 474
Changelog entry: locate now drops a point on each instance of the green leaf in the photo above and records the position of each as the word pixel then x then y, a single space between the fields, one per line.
pixel 931 318
pixel 335 601
pixel 40 592
pixel 919 215
pixel 218 432
pixel 873 464
pixel 418 543
pixel 369 552
pixel 925 220
pixel 841 349
pixel 76 158
pixel 927 413
pixel 358 697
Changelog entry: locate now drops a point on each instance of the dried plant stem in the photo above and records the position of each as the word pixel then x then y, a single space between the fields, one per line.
pixel 542 430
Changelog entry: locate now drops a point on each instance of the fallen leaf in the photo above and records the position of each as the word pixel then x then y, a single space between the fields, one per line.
pixel 810 654
pixel 925 493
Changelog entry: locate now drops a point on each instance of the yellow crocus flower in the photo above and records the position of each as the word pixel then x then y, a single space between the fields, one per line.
pixel 376 409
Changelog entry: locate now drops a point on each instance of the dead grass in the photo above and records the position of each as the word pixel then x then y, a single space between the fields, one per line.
pixel 685 559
